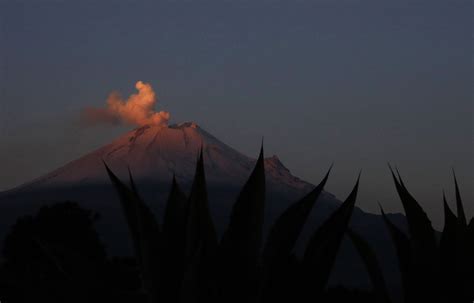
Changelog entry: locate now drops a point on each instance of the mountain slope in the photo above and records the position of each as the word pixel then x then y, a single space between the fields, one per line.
pixel 154 154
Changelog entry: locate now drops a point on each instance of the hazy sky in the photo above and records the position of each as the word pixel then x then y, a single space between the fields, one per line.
pixel 355 82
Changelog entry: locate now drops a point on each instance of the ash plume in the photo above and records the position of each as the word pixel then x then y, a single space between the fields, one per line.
pixel 138 109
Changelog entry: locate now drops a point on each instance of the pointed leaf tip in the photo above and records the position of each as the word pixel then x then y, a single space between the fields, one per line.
pixel 447 209
pixel 381 208
pixel 391 170
pixel 261 154
pixel 132 181
pixel 111 174
pixel 326 177
pixel 105 164
pixel 395 180
pixel 200 160
pixel 400 177
pixel 459 205
pixel 356 186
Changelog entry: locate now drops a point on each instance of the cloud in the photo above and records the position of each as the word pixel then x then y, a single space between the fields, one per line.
pixel 138 109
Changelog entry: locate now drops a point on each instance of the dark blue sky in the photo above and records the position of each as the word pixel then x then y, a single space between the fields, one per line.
pixel 355 82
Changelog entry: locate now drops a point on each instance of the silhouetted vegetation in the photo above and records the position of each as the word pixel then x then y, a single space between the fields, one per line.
pixel 57 256
pixel 230 270
pixel 432 270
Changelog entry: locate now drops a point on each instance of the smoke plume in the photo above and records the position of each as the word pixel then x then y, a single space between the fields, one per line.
pixel 138 109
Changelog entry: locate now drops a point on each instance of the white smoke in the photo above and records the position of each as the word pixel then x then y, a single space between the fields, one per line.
pixel 138 109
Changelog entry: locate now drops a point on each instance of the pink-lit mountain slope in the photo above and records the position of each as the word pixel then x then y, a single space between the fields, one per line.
pixel 154 154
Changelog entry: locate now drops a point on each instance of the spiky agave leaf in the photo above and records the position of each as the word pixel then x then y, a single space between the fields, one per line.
pixel 283 236
pixel 175 216
pixel 243 235
pixel 145 233
pixel 174 232
pixel 151 247
pixel 403 252
pixel 470 261
pixel 240 246
pixel 459 205
pixel 201 236
pixel 287 228
pixel 129 208
pixel 322 249
pixel 470 240
pixel 448 237
pixel 372 265
pixel 463 260
pixel 200 230
pixel 133 186
pixel 152 253
pixel 450 252
pixel 425 265
pixel 470 243
pixel 175 219
pixel 424 246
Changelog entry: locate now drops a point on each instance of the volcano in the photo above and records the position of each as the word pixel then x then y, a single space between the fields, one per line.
pixel 154 154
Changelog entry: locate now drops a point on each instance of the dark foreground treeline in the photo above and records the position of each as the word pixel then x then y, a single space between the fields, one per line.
pixel 56 256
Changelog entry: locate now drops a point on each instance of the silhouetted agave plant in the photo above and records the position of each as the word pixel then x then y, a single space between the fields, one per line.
pixel 183 261
pixel 434 271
